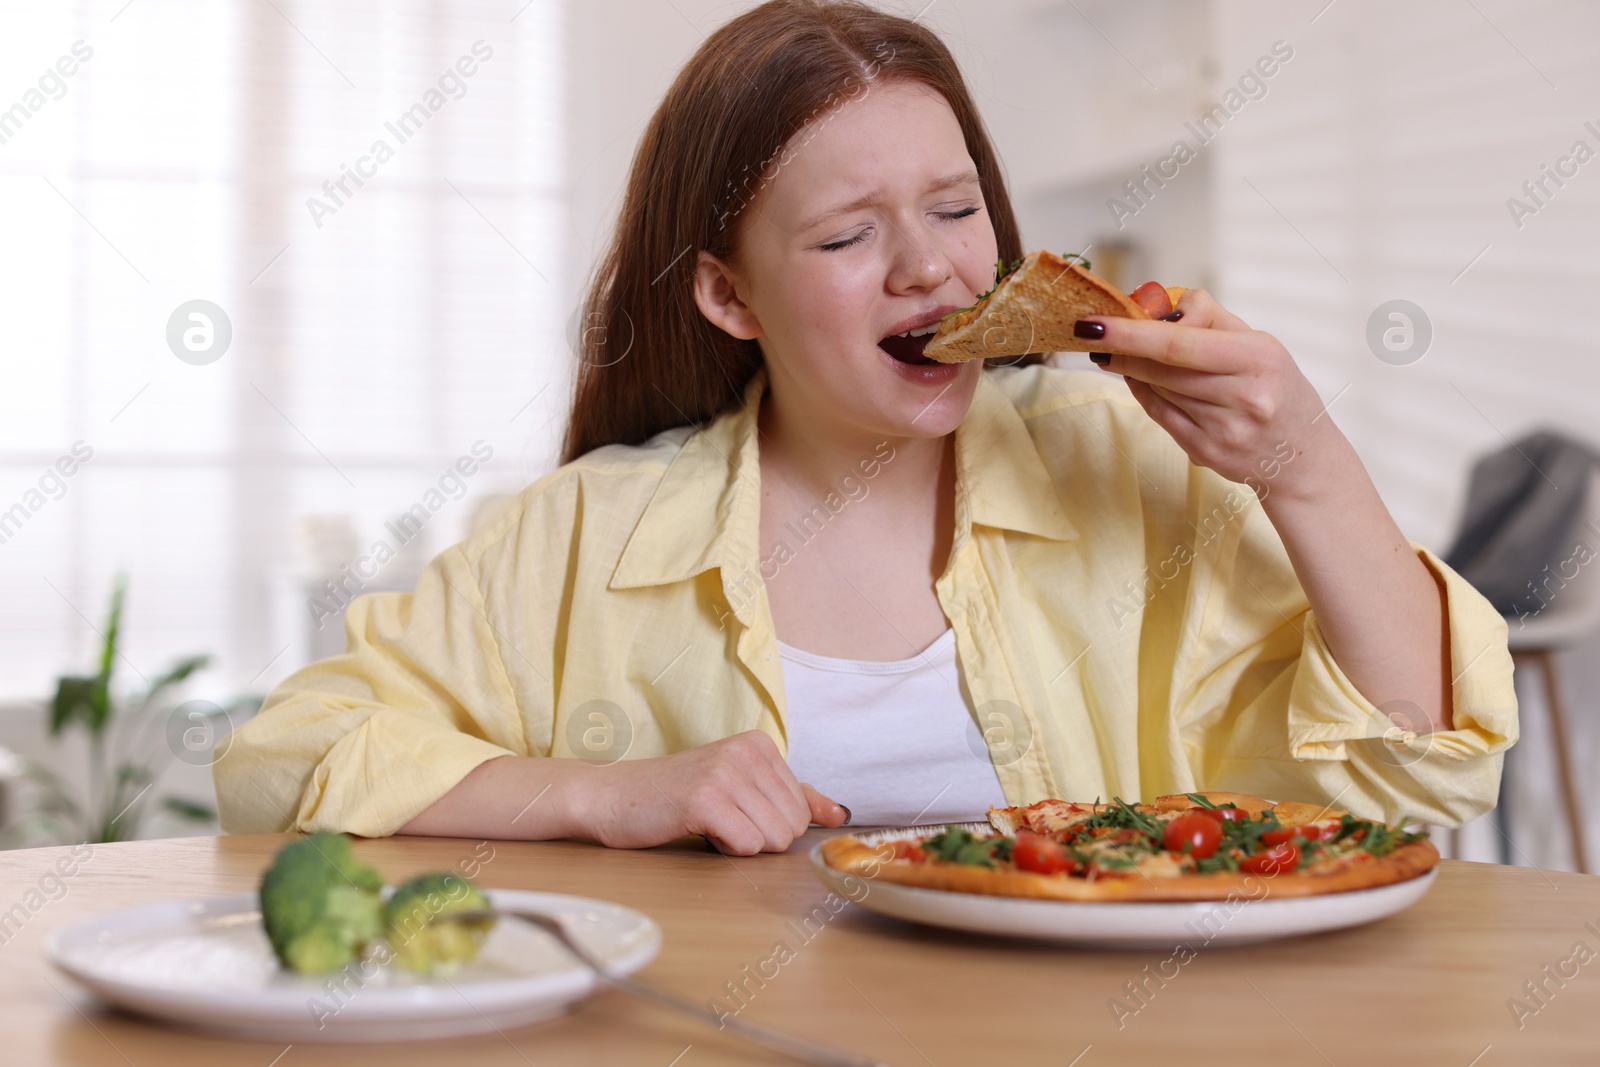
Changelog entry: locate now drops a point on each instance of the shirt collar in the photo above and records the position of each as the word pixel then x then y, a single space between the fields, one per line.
pixel 706 512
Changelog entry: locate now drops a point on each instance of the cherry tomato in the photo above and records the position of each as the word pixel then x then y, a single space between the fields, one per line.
pixel 1200 834
pixel 1223 814
pixel 1279 836
pixel 909 850
pixel 1041 854
pixel 1153 297
pixel 1279 858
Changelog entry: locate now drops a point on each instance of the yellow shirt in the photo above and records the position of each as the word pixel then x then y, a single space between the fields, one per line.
pixel 1126 623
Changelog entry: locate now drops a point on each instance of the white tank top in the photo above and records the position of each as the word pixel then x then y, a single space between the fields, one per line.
pixel 892 741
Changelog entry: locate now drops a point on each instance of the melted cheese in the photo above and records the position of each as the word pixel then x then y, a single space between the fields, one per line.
pixel 1055 816
pixel 1164 864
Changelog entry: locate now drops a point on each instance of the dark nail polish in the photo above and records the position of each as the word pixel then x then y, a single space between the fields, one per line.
pixel 1174 317
pixel 1089 331
pixel 847 815
pixel 1100 359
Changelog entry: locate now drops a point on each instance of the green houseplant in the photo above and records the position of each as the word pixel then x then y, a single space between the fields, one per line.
pixel 130 740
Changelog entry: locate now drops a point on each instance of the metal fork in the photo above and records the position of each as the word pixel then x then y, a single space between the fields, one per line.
pixel 797 1047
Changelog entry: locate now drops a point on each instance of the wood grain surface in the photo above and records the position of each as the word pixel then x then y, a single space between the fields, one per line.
pixel 1433 985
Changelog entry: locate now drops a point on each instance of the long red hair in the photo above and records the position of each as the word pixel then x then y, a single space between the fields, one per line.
pixel 648 359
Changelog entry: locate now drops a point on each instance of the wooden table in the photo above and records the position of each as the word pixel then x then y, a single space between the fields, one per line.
pixel 1429 986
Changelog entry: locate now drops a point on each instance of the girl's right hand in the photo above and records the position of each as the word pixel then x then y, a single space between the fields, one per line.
pixel 738 792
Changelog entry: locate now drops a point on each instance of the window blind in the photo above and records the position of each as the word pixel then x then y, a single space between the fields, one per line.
pixel 372 195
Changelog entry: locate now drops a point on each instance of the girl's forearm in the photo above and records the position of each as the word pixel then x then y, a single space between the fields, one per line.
pixel 511 797
pixel 1381 609
pixel 737 791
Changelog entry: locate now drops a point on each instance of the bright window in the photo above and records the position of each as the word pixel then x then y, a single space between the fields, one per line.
pixel 372 195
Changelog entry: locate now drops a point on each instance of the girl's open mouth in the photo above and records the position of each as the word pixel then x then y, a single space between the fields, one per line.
pixel 907 347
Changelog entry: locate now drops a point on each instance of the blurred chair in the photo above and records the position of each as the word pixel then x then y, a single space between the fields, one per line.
pixel 1530 546
pixel 1571 617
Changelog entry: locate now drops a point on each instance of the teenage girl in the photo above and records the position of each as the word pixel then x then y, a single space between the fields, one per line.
pixel 790 571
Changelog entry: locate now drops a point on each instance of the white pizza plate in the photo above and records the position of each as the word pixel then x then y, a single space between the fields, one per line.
pixel 206 963
pixel 1135 924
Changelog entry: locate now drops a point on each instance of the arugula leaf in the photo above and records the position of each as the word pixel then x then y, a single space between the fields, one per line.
pixel 1123 816
pixel 1220 861
pixel 1001 272
pixel 1246 833
pixel 947 843
pixel 1200 800
pixel 1376 838
pixel 955 845
pixel 1311 851
pixel 1381 840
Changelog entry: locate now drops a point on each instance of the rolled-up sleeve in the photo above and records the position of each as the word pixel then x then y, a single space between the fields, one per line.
pixel 365 741
pixel 1263 706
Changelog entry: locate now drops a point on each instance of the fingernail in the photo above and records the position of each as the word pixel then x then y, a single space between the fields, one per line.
pixel 846 814
pixel 1174 317
pixel 1100 359
pixel 1089 331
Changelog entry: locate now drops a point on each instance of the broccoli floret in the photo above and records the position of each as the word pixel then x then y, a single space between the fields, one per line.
pixel 418 925
pixel 319 904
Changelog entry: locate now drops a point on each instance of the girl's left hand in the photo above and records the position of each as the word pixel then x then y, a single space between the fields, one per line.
pixel 1232 397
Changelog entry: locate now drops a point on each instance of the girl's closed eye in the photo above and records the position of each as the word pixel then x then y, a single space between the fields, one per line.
pixel 834 246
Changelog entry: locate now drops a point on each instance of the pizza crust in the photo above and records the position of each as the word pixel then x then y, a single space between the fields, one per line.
pixel 873 862
pixel 1032 309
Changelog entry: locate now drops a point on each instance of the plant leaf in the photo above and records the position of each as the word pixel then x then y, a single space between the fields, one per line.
pixel 133 774
pixel 188 809
pixel 108 649
pixel 176 673
pixel 123 811
pixel 77 698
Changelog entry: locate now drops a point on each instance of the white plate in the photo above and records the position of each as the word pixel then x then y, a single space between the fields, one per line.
pixel 1135 924
pixel 207 964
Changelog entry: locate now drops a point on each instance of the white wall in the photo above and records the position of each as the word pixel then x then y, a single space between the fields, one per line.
pixel 1061 104
pixel 1388 148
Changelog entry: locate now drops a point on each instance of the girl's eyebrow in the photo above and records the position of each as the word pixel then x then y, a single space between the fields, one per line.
pixel 949 181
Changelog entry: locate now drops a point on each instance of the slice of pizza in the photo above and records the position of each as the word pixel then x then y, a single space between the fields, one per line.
pixel 1044 817
pixel 1187 846
pixel 1032 308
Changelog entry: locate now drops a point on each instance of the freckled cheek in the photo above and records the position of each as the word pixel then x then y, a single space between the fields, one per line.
pixel 842 308
pixel 831 310
pixel 833 326
pixel 974 261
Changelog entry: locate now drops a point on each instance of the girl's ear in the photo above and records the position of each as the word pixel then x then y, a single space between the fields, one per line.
pixel 714 292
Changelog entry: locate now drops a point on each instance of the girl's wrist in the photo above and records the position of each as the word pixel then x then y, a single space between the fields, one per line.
pixel 589 798
pixel 1320 474
pixel 555 798
pixel 574 797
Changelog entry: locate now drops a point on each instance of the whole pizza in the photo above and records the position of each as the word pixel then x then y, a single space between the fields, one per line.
pixel 1187 846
